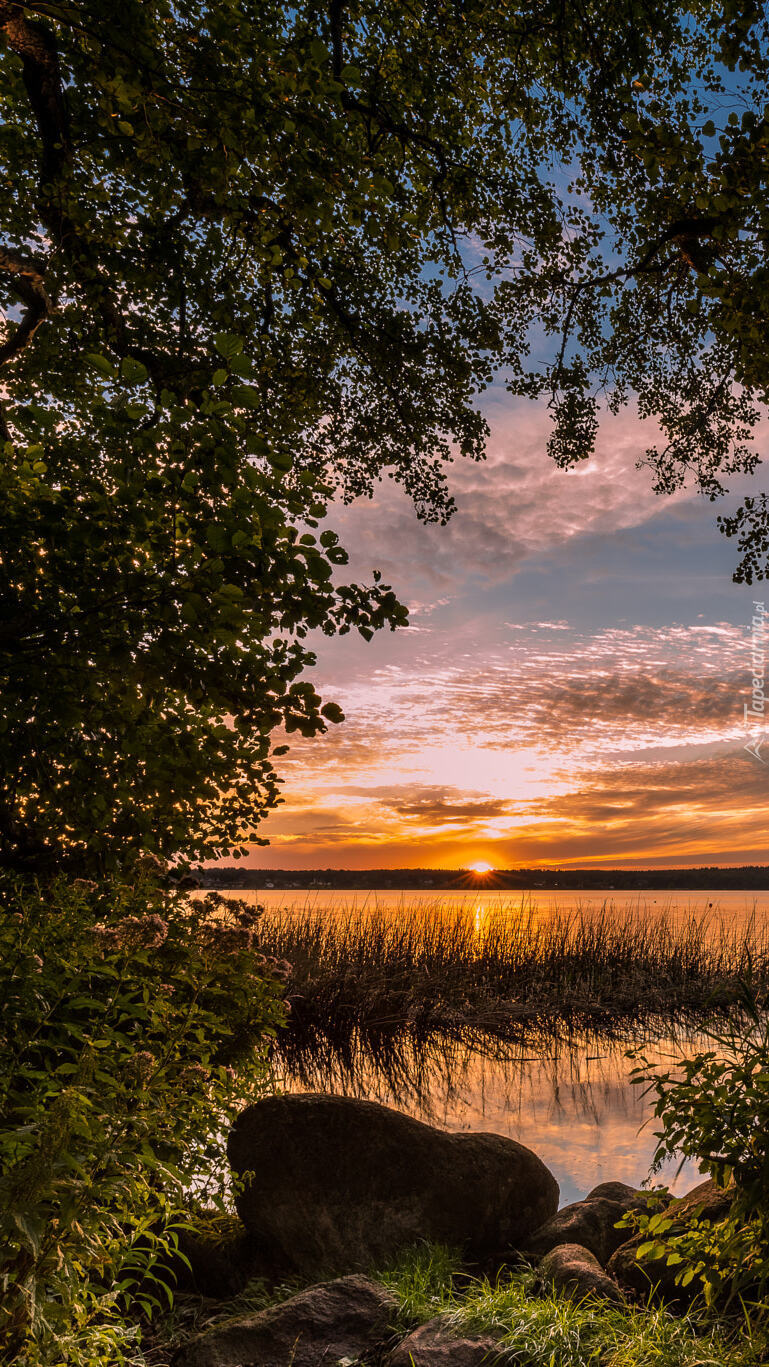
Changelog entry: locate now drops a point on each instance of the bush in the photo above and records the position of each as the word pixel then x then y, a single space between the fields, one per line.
pixel 125 1012
pixel 714 1107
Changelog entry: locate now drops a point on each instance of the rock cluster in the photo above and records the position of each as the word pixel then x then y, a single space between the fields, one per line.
pixel 705 1202
pixel 339 1319
pixel 329 1187
pixel 591 1223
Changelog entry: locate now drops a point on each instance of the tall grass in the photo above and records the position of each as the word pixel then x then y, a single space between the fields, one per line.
pixel 505 973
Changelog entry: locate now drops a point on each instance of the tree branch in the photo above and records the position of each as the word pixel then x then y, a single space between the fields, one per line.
pixel 28 282
pixel 335 20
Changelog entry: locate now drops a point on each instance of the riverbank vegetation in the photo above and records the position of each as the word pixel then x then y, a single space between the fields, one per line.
pixel 536 1326
pixel 504 972
pixel 126 1014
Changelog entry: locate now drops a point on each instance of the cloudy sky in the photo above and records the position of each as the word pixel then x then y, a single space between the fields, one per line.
pixel 570 690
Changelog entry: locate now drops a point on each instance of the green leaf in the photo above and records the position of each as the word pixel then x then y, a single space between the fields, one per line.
pixel 102 364
pixel 245 396
pixel 132 371
pixel 281 461
pixel 31 1229
pixel 228 344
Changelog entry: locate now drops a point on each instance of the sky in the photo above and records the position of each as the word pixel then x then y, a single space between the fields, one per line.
pixel 570 691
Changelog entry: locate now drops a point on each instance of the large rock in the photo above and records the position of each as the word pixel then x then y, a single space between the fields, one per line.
pixel 436 1344
pixel 590 1223
pixel 575 1272
pixel 340 1185
pixel 316 1328
pixel 705 1202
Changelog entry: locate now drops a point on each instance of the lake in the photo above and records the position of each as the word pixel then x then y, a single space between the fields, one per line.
pixel 573 1104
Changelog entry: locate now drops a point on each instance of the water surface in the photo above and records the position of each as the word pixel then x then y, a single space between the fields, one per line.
pixel 574 1106
pixel 733 910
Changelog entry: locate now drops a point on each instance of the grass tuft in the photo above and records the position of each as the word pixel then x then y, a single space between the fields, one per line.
pixel 422 1280
pixel 547 1330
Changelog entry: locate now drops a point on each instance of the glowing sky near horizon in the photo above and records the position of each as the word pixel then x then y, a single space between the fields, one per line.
pixel 570 690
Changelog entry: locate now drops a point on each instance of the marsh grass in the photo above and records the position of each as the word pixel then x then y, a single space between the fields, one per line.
pixel 363 979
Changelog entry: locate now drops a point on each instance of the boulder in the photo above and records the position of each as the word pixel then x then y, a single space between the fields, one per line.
pixel 590 1223
pixel 436 1344
pixel 705 1202
pixel 316 1328
pixel 339 1185
pixel 574 1271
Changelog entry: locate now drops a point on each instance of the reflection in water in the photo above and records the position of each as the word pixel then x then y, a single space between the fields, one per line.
pixel 573 1105
pixel 562 1091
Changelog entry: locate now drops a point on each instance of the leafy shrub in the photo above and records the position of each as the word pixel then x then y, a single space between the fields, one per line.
pixel 124 1011
pixel 714 1107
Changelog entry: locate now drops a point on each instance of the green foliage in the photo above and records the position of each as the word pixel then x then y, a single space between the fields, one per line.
pixel 134 1026
pixel 714 1107
pixel 421 1278
pixel 258 255
pixel 724 1262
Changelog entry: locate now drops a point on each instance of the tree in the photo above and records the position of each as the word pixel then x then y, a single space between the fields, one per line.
pixel 667 306
pixel 256 256
pixel 235 287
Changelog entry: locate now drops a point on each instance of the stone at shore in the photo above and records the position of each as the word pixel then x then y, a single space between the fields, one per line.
pixel 575 1272
pixel 316 1328
pixel 436 1344
pixel 590 1223
pixel 705 1202
pixel 339 1185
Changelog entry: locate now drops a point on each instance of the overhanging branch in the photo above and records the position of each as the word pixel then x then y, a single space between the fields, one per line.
pixel 28 283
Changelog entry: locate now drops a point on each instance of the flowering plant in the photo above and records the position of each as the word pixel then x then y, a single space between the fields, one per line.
pixel 134 1024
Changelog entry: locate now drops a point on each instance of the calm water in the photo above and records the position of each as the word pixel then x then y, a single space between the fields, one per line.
pixel 574 1105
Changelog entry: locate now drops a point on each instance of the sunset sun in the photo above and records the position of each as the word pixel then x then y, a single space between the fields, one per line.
pixel 480 867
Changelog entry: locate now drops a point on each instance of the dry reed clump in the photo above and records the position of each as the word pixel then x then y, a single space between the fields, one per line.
pixel 507 971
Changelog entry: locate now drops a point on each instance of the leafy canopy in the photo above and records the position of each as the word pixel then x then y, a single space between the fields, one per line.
pixel 256 256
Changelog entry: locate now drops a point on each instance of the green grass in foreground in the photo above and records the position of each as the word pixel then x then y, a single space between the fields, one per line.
pixel 551 1331
pixel 505 971
pixel 536 1330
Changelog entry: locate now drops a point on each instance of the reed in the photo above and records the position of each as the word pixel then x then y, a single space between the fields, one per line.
pixel 507 972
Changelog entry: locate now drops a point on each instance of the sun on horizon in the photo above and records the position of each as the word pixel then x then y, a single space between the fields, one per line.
pixel 480 866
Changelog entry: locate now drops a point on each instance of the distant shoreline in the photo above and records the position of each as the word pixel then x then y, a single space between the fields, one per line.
pixel 750 878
